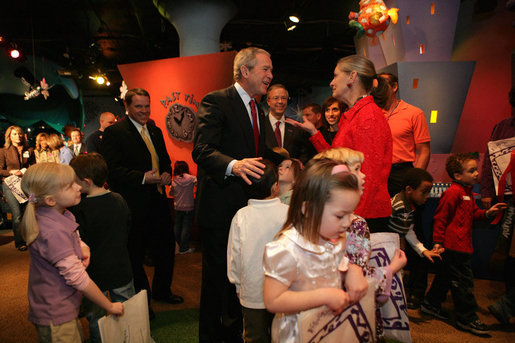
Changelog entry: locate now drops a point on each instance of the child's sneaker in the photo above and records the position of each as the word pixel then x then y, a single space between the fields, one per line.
pixel 435 311
pixel 476 327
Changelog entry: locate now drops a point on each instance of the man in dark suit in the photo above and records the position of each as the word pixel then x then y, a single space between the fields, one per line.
pixel 279 133
pixel 228 140
pixel 139 168
pixel 77 146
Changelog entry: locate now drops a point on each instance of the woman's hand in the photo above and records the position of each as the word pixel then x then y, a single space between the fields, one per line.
pixel 16 172
pixel 306 125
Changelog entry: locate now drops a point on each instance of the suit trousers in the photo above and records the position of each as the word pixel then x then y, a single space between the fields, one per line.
pixel 152 231
pixel 220 310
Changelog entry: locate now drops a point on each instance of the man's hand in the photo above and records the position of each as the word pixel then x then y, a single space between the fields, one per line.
pixel 486 202
pixel 166 179
pixel 248 167
pixel 306 125
pixel 151 178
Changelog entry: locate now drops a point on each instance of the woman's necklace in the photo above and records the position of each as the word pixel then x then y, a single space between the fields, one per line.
pixel 358 99
pixel 391 112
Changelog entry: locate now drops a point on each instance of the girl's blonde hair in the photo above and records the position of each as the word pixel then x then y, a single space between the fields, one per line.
pixel 8 141
pixel 342 155
pixel 40 181
pixel 39 137
pixel 311 192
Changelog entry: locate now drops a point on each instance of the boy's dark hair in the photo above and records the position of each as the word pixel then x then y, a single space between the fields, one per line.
pixel 91 166
pixel 180 167
pixel 455 162
pixel 262 188
pixel 414 178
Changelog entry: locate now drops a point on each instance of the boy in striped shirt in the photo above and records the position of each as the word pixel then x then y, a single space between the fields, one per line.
pixel 416 188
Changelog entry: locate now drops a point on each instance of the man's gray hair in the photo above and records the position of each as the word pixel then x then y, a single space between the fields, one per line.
pixel 246 57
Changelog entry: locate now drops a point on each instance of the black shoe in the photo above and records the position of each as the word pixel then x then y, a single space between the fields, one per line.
pixel 499 313
pixel 413 303
pixel 435 311
pixel 168 298
pixel 22 248
pixel 476 327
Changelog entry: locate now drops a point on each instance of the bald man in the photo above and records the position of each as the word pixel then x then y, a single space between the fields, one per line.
pixel 93 142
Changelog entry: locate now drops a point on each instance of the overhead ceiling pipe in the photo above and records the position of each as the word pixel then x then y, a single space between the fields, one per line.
pixel 199 23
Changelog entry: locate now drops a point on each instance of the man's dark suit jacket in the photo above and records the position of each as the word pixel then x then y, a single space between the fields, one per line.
pixel 82 149
pixel 294 140
pixel 128 159
pixel 224 133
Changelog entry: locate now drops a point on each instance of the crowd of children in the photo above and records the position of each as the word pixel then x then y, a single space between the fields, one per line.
pixel 299 227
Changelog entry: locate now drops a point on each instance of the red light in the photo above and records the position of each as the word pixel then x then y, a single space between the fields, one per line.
pixel 15 53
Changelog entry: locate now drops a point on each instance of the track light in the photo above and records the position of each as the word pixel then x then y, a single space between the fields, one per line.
pixel 14 53
pixel 101 79
pixel 291 21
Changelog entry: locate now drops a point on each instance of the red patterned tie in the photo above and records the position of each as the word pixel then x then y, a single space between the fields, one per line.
pixel 253 110
pixel 278 134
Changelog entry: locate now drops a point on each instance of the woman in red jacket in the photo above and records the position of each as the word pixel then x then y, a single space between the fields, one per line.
pixel 362 127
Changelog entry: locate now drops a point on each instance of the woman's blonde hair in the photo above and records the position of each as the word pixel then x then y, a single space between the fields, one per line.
pixel 55 142
pixel 40 181
pixel 8 141
pixel 39 137
pixel 342 155
pixel 363 66
pixel 311 192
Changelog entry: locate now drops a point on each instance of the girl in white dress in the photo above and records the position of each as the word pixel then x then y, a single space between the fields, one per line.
pixel 301 265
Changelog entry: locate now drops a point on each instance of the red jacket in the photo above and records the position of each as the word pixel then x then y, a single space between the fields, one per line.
pixel 364 128
pixel 453 218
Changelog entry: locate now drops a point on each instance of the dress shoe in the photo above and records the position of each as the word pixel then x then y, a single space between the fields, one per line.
pixel 22 248
pixel 168 298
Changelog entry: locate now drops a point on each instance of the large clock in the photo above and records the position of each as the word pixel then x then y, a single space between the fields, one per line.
pixel 181 122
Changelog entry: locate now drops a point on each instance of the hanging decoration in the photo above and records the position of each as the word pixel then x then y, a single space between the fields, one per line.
pixel 34 90
pixel 123 90
pixel 373 17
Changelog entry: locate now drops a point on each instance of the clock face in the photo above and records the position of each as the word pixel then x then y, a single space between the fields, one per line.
pixel 181 122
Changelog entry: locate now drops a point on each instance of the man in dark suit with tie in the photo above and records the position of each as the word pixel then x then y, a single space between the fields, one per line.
pixel 278 133
pixel 228 140
pixel 77 146
pixel 139 168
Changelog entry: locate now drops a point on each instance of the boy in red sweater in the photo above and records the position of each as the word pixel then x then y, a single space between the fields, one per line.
pixel 452 236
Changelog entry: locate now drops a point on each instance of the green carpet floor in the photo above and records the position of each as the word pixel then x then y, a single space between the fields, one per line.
pixel 180 326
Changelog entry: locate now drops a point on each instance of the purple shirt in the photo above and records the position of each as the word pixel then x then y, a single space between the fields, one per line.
pixel 50 298
pixel 503 129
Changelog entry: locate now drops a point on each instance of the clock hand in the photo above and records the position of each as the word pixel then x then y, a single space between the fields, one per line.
pixel 179 121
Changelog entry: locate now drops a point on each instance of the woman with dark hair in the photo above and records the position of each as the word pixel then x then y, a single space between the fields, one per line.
pixel 362 127
pixel 182 190
pixel 332 110
pixel 15 158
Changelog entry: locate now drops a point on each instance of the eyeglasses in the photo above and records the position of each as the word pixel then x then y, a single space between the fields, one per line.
pixel 276 98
